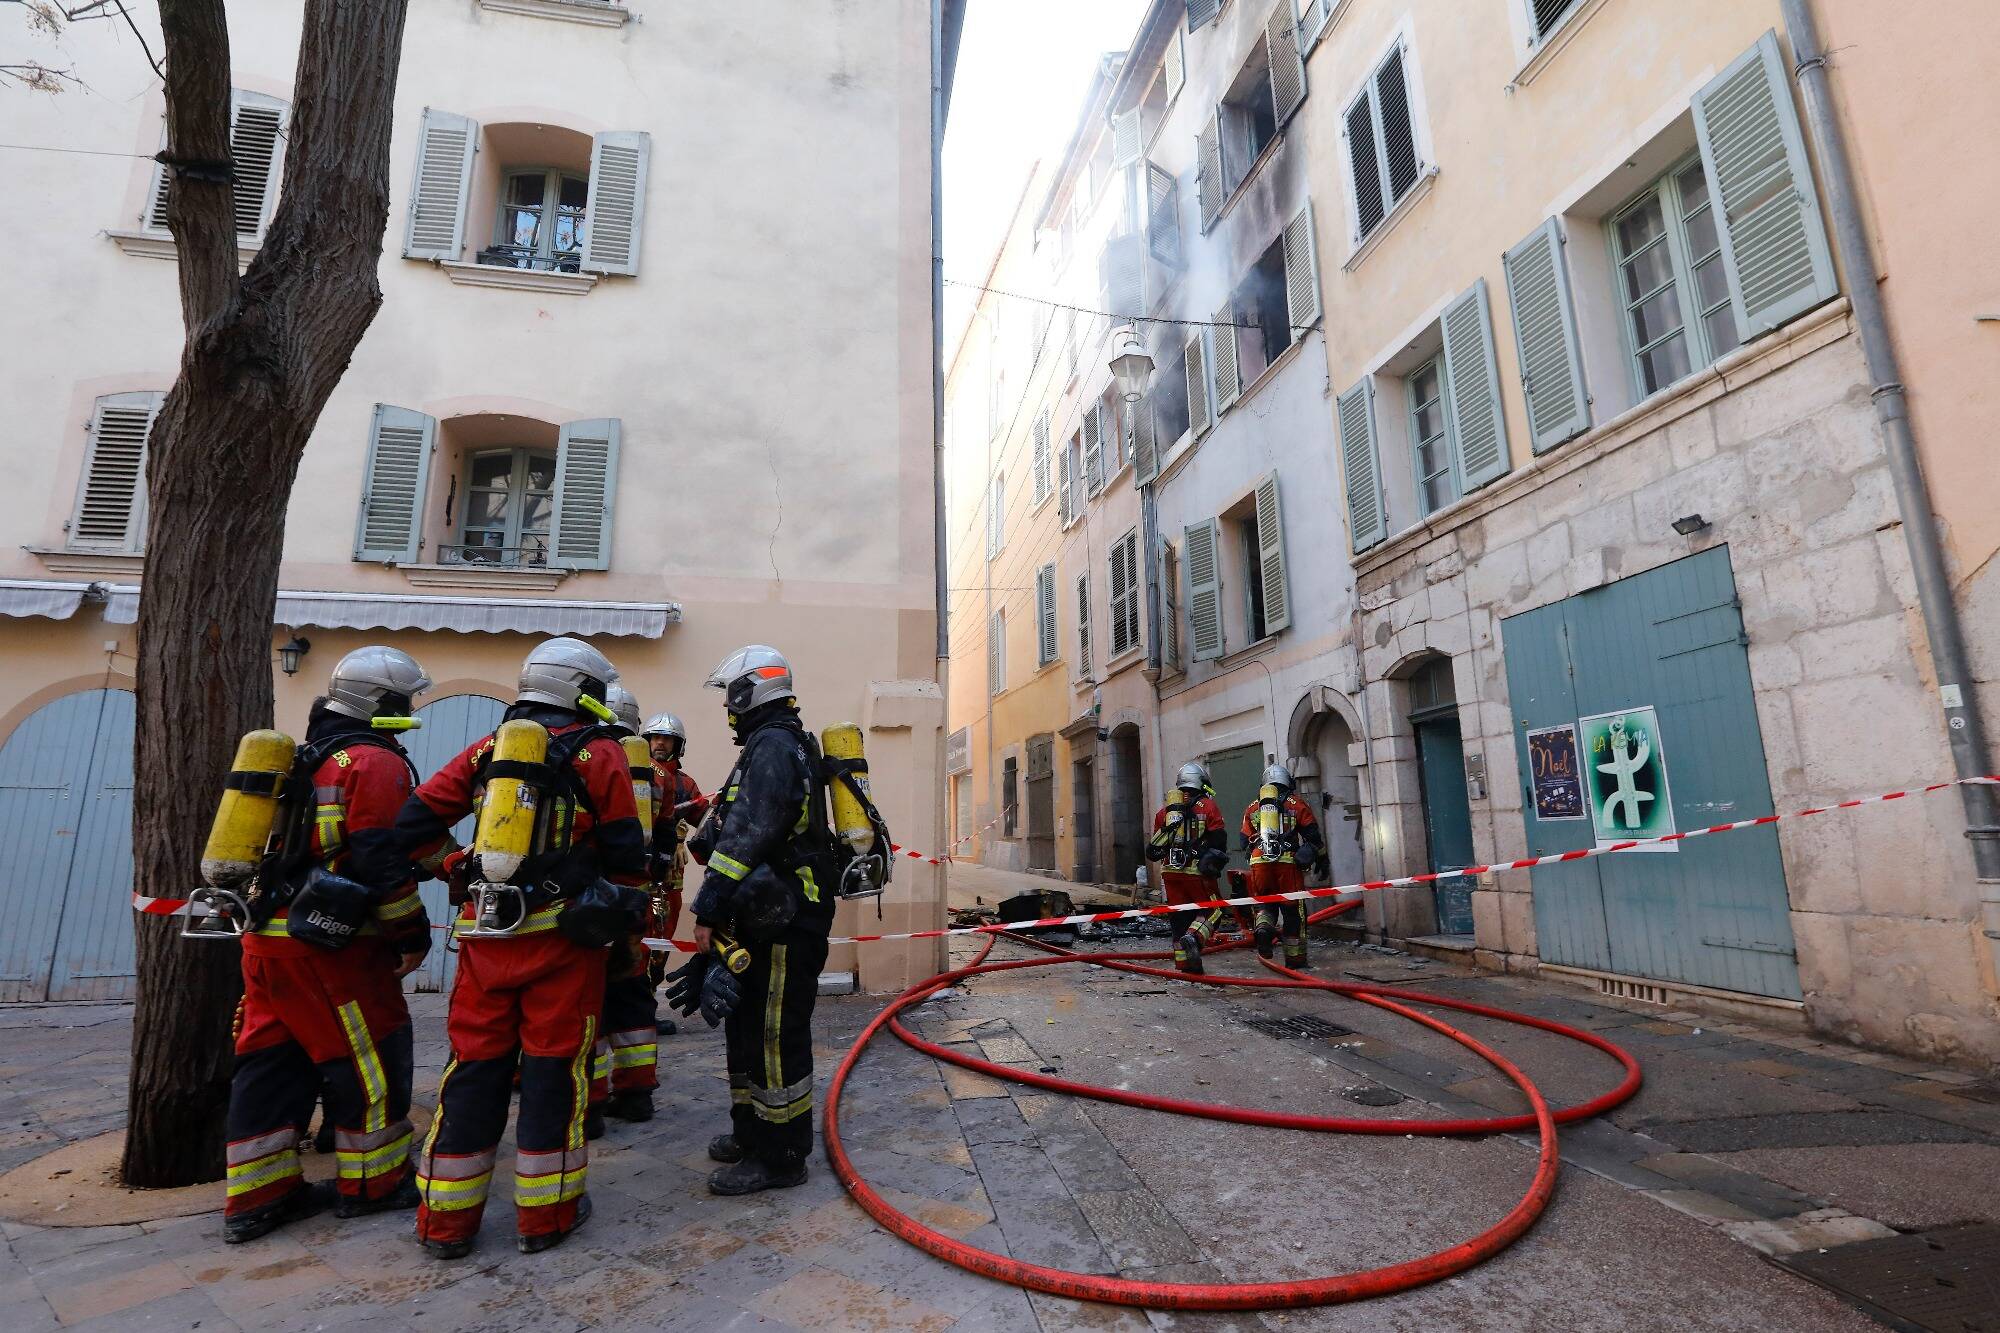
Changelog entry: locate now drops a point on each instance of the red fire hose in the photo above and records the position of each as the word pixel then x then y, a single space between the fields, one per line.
pixel 1235 1295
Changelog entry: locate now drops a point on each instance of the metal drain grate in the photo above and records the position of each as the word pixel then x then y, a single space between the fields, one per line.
pixel 1948 1280
pixel 1297 1026
pixel 1373 1094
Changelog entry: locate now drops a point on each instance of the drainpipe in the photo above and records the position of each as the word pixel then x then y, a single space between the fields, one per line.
pixel 937 337
pixel 1965 725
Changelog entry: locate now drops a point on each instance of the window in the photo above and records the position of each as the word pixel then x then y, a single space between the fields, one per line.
pixel 1547 15
pixel 1045 615
pixel 1041 459
pixel 1437 477
pixel 1169 398
pixel 1384 156
pixel 1256 106
pixel 1170 591
pixel 110 512
pixel 1671 285
pixel 1272 305
pixel 1093 449
pixel 257 126
pixel 996 516
pixel 1010 796
pixel 996 653
pixel 1246 543
pixel 509 508
pixel 1068 497
pixel 1125 594
pixel 540 222
pixel 1083 665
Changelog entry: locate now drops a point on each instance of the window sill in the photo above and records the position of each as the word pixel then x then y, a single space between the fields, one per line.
pixel 1553 43
pixel 517 279
pixel 1131 657
pixel 62 561
pixel 1249 178
pixel 593 13
pixel 1368 245
pixel 160 245
pixel 481 578
pixel 1267 374
pixel 1257 648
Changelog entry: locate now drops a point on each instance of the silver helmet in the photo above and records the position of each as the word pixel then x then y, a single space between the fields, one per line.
pixel 561 670
pixel 1277 775
pixel 624 706
pixel 1193 776
pixel 752 676
pixel 664 724
pixel 375 681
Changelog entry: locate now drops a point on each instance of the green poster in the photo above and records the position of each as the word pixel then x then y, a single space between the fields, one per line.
pixel 1625 775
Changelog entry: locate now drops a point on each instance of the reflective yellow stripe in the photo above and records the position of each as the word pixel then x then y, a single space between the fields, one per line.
pixel 779 1115
pixel 579 1078
pixel 398 908
pixel 281 928
pixel 445 1196
pixel 372 1161
pixel 536 923
pixel 727 865
pixel 539 1191
pixel 774 1009
pixel 265 1171
pixel 628 1057
pixel 437 1118
pixel 374 1083
pixel 810 884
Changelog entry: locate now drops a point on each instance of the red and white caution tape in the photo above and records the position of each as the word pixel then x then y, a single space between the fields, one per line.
pixel 179 906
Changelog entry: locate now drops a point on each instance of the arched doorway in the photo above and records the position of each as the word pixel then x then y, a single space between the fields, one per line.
pixel 66 826
pixel 1441 780
pixel 450 724
pixel 1334 788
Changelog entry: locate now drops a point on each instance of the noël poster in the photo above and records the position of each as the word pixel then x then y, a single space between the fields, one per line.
pixel 1625 775
pixel 1553 775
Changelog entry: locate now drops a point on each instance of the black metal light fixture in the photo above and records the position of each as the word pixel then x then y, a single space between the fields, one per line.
pixel 290 654
pixel 1688 525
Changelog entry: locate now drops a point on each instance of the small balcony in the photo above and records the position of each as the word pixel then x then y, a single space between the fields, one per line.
pixel 525 257
pixel 534 556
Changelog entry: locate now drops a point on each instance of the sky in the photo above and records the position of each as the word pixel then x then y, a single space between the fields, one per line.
pixel 1023 69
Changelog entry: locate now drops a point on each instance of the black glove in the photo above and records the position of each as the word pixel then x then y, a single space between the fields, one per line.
pixel 719 994
pixel 684 987
pixel 1213 863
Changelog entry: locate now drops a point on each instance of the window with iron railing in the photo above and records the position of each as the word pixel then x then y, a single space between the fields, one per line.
pixel 541 221
pixel 509 505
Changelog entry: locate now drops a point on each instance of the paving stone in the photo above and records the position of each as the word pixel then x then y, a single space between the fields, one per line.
pixel 1810 1129
pixel 819 1297
pixel 993 1120
pixel 1821 1229
pixel 80 1297
pixel 1135 1229
pixel 1053 1232
pixel 1060 1316
pixel 179 1311
pixel 1752 1195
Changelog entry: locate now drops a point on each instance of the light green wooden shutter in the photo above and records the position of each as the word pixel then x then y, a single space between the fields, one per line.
pixel 1042 457
pixel 1093 448
pixel 446 145
pixel 1479 431
pixel 1163 220
pixel 111 497
pixel 390 526
pixel 1288 66
pixel 1360 461
pixel 1145 446
pixel 1202 541
pixel 614 223
pixel 586 481
pixel 1313 15
pixel 1200 12
pixel 256 142
pixel 1196 360
pixel 1227 382
pixel 1174 65
pixel 1301 271
pixel 996 653
pixel 1208 168
pixel 1083 626
pixel 1271 556
pixel 1045 613
pixel 1125 139
pixel 1545 338
pixel 1066 494
pixel 1170 612
pixel 1774 247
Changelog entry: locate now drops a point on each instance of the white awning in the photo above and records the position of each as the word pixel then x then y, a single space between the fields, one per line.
pixel 466 615
pixel 41 597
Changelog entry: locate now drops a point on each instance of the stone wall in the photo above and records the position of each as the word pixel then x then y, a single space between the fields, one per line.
pixel 1778 448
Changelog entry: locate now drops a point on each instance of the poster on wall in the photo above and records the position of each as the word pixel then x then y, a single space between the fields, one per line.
pixel 1625 776
pixel 1552 773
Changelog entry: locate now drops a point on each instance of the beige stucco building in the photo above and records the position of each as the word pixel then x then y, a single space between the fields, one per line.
pixel 654 366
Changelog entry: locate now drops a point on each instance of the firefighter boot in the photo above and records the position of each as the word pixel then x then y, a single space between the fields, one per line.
pixel 1187 955
pixel 1264 936
pixel 300 1204
pixel 751 1175
pixel 548 1240
pixel 725 1149
pixel 403 1196
pixel 1295 955
pixel 593 1123
pixel 634 1105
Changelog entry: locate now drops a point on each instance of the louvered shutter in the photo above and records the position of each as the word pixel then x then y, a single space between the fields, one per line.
pixel 1208 169
pixel 1545 338
pixel 586 481
pixel 1125 278
pixel 256 147
pixel 1227 382
pixel 446 145
pixel 1083 667
pixel 1364 166
pixel 1313 15
pixel 1195 352
pixel 1145 444
pixel 1170 615
pixel 1478 428
pixel 1204 573
pixel 1126 136
pixel 1174 65
pixel 1301 271
pixel 1163 219
pixel 1774 248
pixel 111 495
pixel 1288 65
pixel 1045 612
pixel 1093 448
pixel 1041 457
pixel 1201 11
pixel 390 526
pixel 1367 522
pixel 614 222
pixel 1271 556
pixel 1400 164
pixel 1066 496
pixel 1124 608
pixel 996 653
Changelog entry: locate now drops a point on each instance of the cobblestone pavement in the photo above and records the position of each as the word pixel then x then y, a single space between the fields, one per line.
pixel 1744 1143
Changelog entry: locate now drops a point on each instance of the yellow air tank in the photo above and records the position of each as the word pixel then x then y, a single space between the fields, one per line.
pixel 242 829
pixel 1270 811
pixel 640 760
pixel 850 820
pixel 506 831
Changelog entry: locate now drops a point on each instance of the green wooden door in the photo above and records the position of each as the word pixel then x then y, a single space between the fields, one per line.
pixel 1711 911
pixel 1236 774
pixel 1447 817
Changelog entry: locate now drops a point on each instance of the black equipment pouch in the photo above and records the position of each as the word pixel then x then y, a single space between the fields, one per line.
pixel 329 910
pixel 600 913
pixel 764 905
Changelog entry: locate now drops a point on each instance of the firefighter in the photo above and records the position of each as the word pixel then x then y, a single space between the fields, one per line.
pixel 1285 843
pixel 681 803
pixel 1191 843
pixel 769 883
pixel 625 1067
pixel 323 1011
pixel 529 997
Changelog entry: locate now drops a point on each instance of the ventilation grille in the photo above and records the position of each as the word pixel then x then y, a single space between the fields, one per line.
pixel 1632 990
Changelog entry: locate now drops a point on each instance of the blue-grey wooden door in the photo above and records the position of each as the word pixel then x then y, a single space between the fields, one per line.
pixel 450 724
pixel 1713 911
pixel 66 839
pixel 1447 818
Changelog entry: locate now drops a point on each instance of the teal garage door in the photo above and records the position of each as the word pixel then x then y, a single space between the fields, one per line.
pixel 1711 911
pixel 66 835
pixel 450 724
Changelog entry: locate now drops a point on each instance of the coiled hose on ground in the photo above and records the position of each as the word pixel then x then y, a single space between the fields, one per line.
pixel 1236 1295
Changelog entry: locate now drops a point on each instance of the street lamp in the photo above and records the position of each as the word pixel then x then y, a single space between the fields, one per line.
pixel 290 653
pixel 1131 363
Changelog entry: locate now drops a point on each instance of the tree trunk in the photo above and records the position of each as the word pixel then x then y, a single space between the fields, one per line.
pixel 263 354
